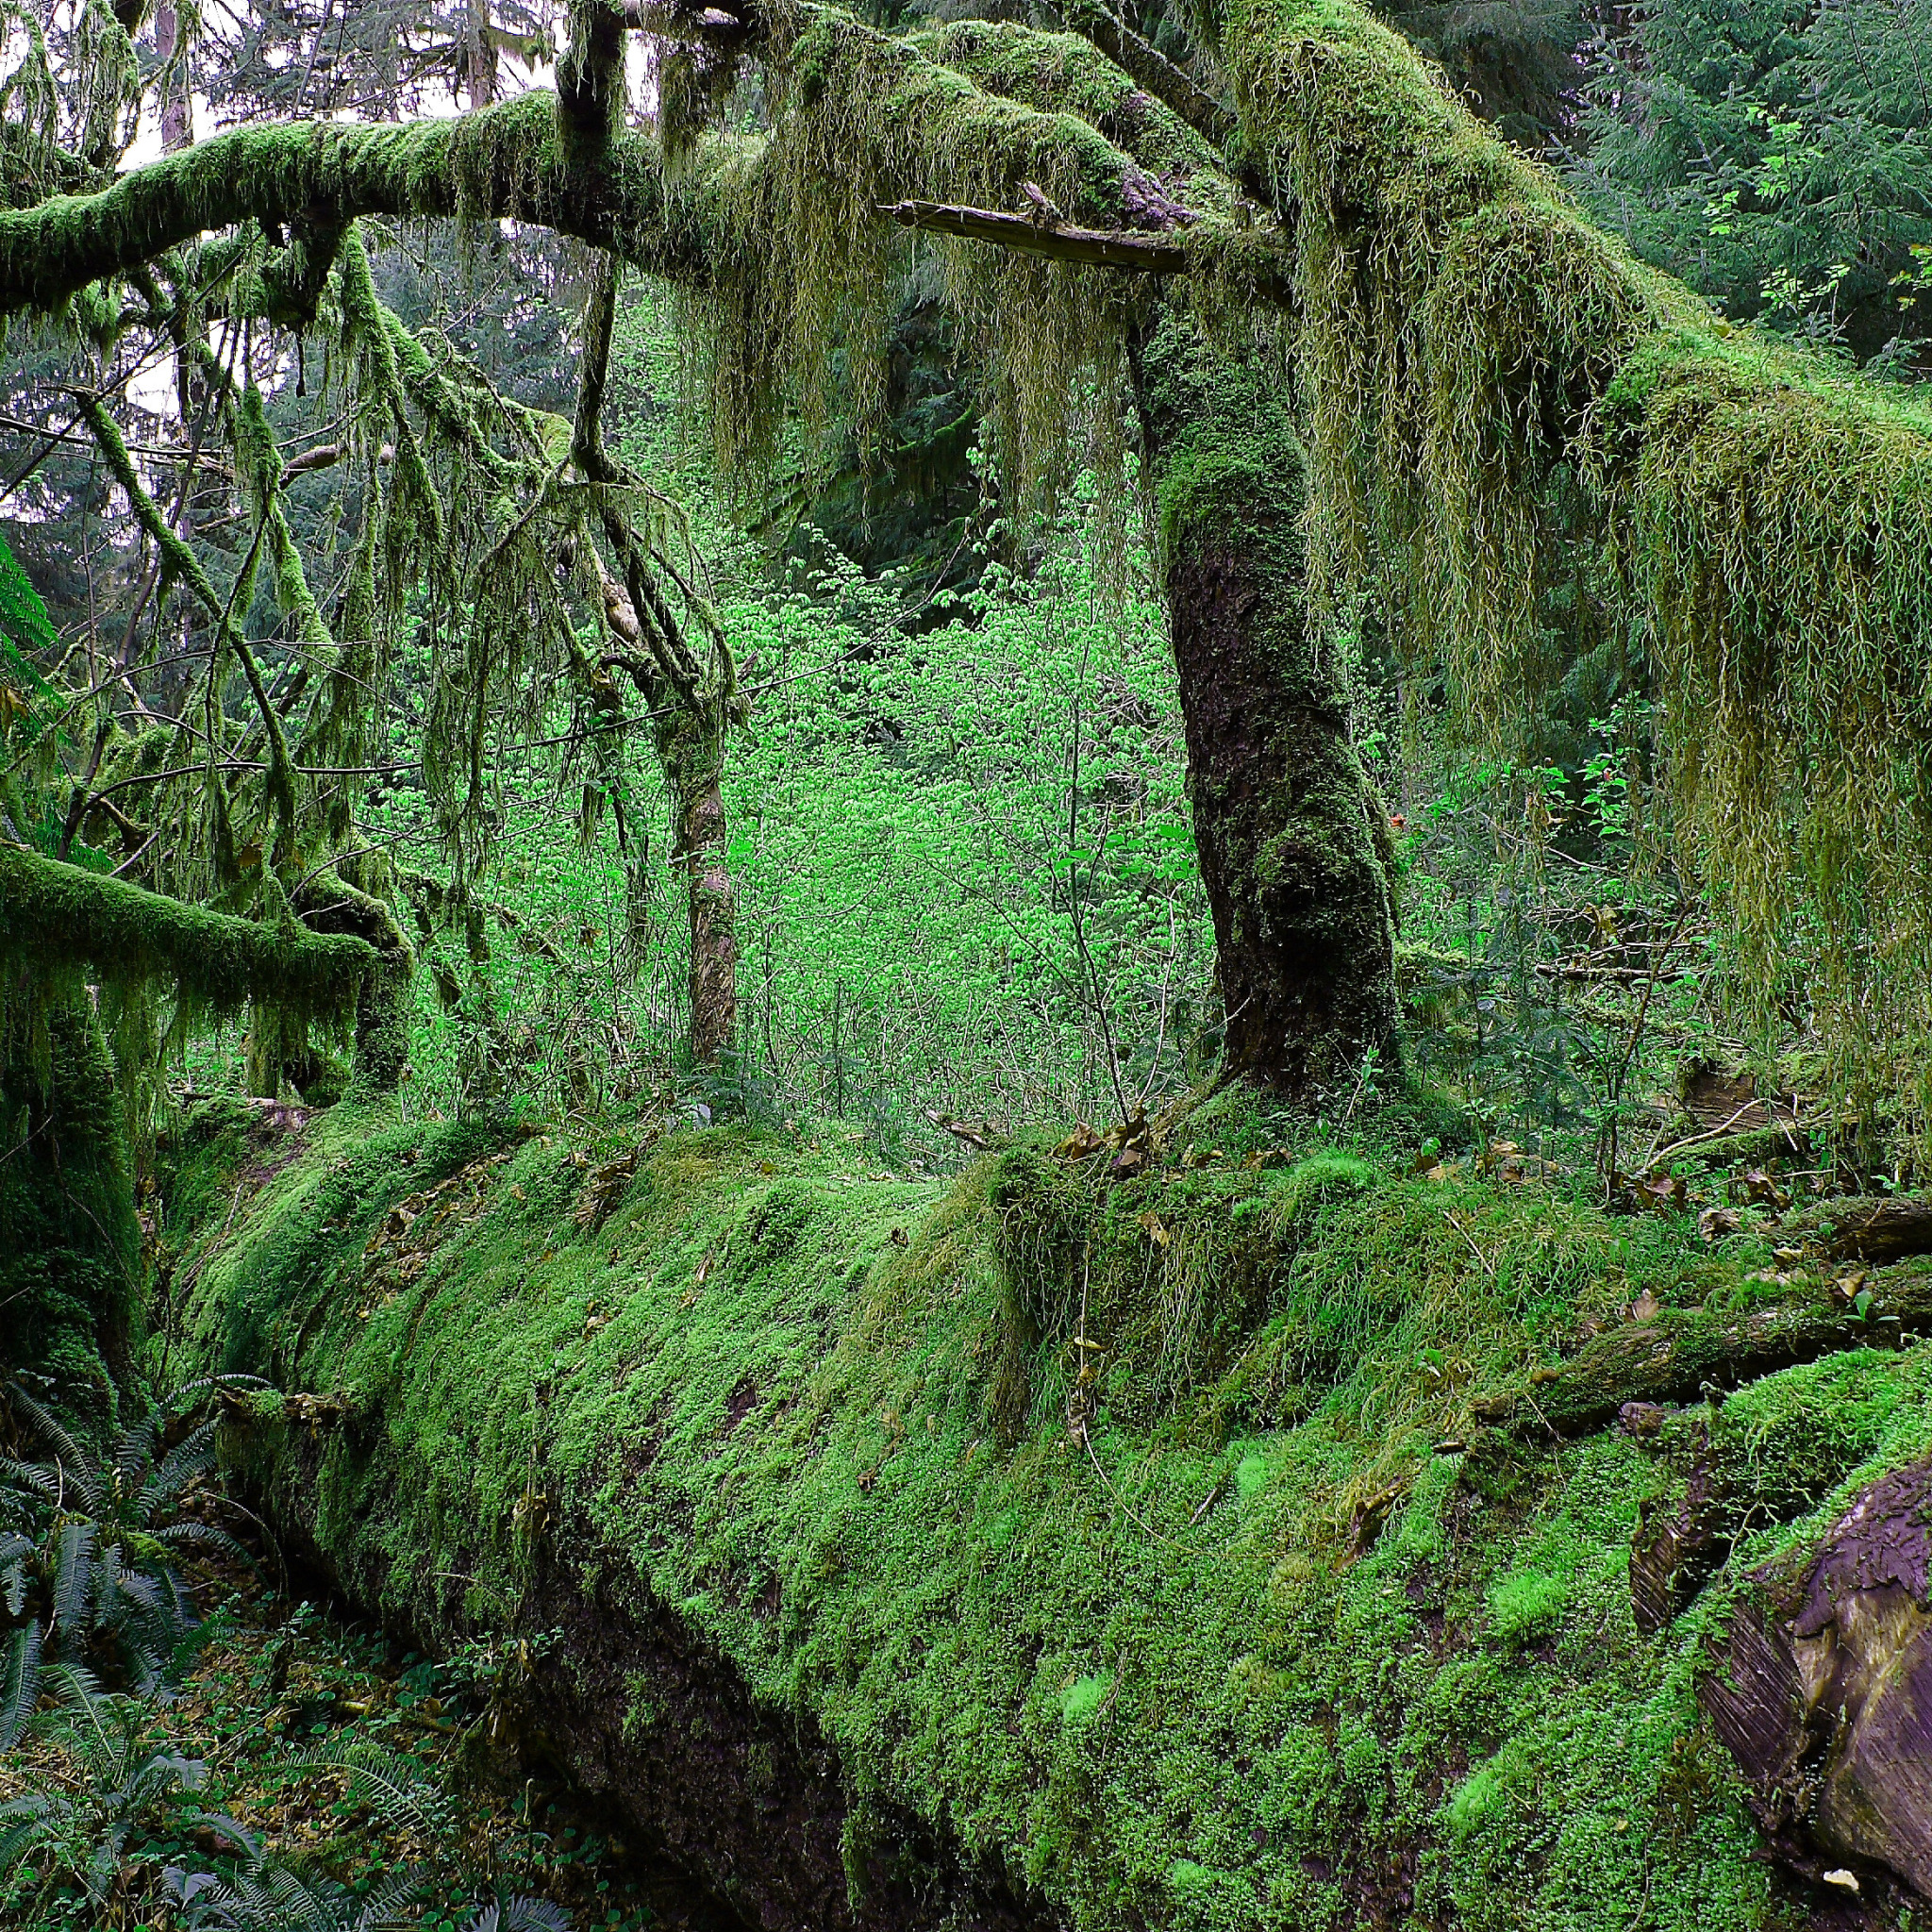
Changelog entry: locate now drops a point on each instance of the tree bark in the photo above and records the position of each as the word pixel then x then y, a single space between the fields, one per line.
pixel 69 1246
pixel 1292 839
pixel 1822 1688
pixel 692 750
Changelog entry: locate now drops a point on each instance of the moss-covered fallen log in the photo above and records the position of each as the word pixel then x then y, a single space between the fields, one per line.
pixel 1022 1549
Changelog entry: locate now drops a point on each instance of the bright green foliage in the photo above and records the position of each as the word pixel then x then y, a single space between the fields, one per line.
pixel 24 624
pixel 905 870
pixel 1236 1646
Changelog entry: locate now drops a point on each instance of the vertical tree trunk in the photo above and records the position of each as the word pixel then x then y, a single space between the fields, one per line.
pixel 69 1246
pixel 1293 842
pixel 692 749
pixel 691 754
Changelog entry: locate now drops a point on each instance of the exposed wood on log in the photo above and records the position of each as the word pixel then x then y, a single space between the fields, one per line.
pixel 1676 1546
pixel 1823 1690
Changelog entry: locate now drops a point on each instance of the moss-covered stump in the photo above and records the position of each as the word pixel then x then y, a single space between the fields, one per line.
pixel 1023 1550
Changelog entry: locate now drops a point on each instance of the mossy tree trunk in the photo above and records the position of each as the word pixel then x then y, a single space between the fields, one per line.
pixel 1293 840
pixel 70 1245
pixel 693 763
pixel 71 1266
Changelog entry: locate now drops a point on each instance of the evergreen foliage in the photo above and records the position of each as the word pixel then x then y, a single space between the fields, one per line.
pixel 1778 160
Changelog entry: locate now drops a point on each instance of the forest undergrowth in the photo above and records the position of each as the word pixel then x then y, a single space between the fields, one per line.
pixel 286 1766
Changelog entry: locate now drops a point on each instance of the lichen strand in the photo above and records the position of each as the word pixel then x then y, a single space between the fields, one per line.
pixel 1289 829
pixel 1254 1653
pixel 806 273
pixel 1466 335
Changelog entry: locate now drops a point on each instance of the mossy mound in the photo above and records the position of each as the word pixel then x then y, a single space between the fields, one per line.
pixel 1122 1535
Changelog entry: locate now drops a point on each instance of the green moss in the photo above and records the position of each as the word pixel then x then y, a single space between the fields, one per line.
pixel 1286 822
pixel 70 1248
pixel 1065 73
pixel 1525 1606
pixel 1223 1679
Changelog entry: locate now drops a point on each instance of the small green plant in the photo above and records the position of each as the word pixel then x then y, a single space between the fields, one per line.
pixel 88 1543
pixel 129 1789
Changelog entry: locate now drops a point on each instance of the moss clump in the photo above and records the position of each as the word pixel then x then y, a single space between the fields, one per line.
pixel 1065 73
pixel 1224 1658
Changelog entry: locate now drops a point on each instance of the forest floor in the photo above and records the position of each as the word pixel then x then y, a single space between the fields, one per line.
pixel 349 1758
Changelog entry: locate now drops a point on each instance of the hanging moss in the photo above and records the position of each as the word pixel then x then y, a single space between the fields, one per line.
pixel 1465 335
pixel 797 315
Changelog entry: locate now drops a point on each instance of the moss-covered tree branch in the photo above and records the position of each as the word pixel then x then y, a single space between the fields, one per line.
pixel 60 918
pixel 501 160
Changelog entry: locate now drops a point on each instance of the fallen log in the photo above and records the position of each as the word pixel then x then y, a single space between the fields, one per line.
pixel 1868 1227
pixel 878 1603
pixel 1821 1687
pixel 1677 1355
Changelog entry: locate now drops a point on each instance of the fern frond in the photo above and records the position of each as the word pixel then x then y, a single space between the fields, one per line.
pixel 402 1791
pixel 16 1841
pixel 83 1696
pixel 521 1914
pixel 135 1451
pixel 73 1463
pixel 14 1551
pixel 42 1480
pixel 73 1580
pixel 21 1695
pixel 230 1830
pixel 201 1536
pixel 145 1591
pixel 194 1456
